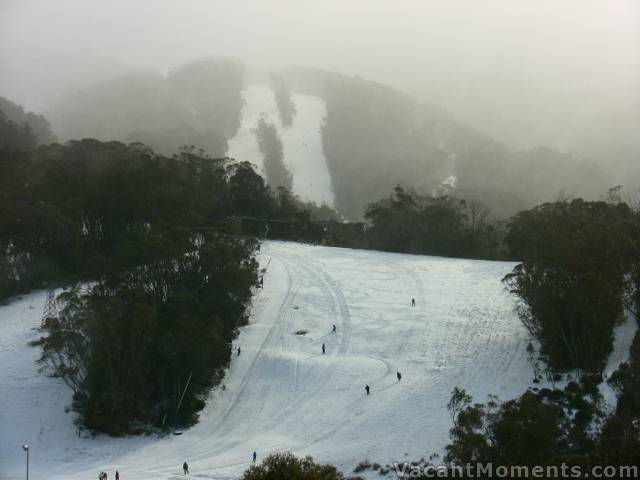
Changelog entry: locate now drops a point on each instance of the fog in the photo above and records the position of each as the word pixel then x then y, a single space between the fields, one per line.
pixel 560 73
pixel 527 72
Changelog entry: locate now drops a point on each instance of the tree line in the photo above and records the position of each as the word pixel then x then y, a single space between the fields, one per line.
pixel 445 225
pixel 577 280
pixel 552 427
pixel 165 280
pixel 152 234
pixel 577 277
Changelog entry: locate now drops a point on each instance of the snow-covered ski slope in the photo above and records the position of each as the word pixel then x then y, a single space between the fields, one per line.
pixel 282 393
pixel 302 142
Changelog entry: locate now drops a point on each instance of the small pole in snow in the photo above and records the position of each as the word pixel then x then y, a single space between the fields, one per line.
pixel 268 263
pixel 25 447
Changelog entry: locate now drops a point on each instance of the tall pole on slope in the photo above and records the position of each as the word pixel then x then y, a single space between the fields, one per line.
pixel 25 447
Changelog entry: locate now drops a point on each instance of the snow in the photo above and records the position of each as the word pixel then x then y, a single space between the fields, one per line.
pixel 282 393
pixel 622 341
pixel 302 142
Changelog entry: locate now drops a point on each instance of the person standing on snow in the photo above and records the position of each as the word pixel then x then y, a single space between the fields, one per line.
pixel 367 389
pixel 399 375
pixel 334 328
pixel 413 302
pixel 185 468
pixel 255 456
pixel 117 475
pixel 323 349
pixel 238 351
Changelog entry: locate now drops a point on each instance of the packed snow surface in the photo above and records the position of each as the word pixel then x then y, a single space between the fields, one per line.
pixel 622 341
pixel 301 143
pixel 282 393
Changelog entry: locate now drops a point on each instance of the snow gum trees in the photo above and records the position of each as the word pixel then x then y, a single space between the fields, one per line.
pixel 574 277
pixel 128 345
pixel 438 225
pixel 272 151
pixel 285 465
pixel 284 102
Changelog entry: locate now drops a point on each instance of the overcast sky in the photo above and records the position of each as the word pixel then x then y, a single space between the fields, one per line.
pixel 527 72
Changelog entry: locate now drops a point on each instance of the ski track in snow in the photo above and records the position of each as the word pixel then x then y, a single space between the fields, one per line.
pixel 282 393
pixel 301 143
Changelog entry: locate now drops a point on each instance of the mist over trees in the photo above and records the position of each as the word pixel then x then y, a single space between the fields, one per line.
pixel 36 123
pixel 270 145
pixel 371 143
pixel 112 109
pixel 374 137
pixel 167 142
pixel 87 207
pixel 197 104
pixel 160 277
pixel 211 90
pixel 423 224
pixel 284 102
pixel 512 181
pixel 15 138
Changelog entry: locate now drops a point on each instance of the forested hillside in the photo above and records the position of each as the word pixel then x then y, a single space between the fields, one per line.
pixel 37 124
pixel 197 104
pixel 159 279
pixel 376 137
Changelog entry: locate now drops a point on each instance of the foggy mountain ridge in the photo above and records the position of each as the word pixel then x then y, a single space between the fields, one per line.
pixel 527 73
pixel 37 123
pixel 374 136
pixel 485 169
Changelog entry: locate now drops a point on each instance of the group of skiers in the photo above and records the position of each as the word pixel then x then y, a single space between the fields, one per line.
pixel 185 469
pixel 185 466
pixel 324 347
pixel 367 388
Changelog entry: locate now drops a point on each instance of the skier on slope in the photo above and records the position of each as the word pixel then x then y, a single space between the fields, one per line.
pixel 367 389
pixel 334 328
pixel 399 375
pixel 255 456
pixel 323 349
pixel 238 351
pixel 413 302
pixel 185 468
